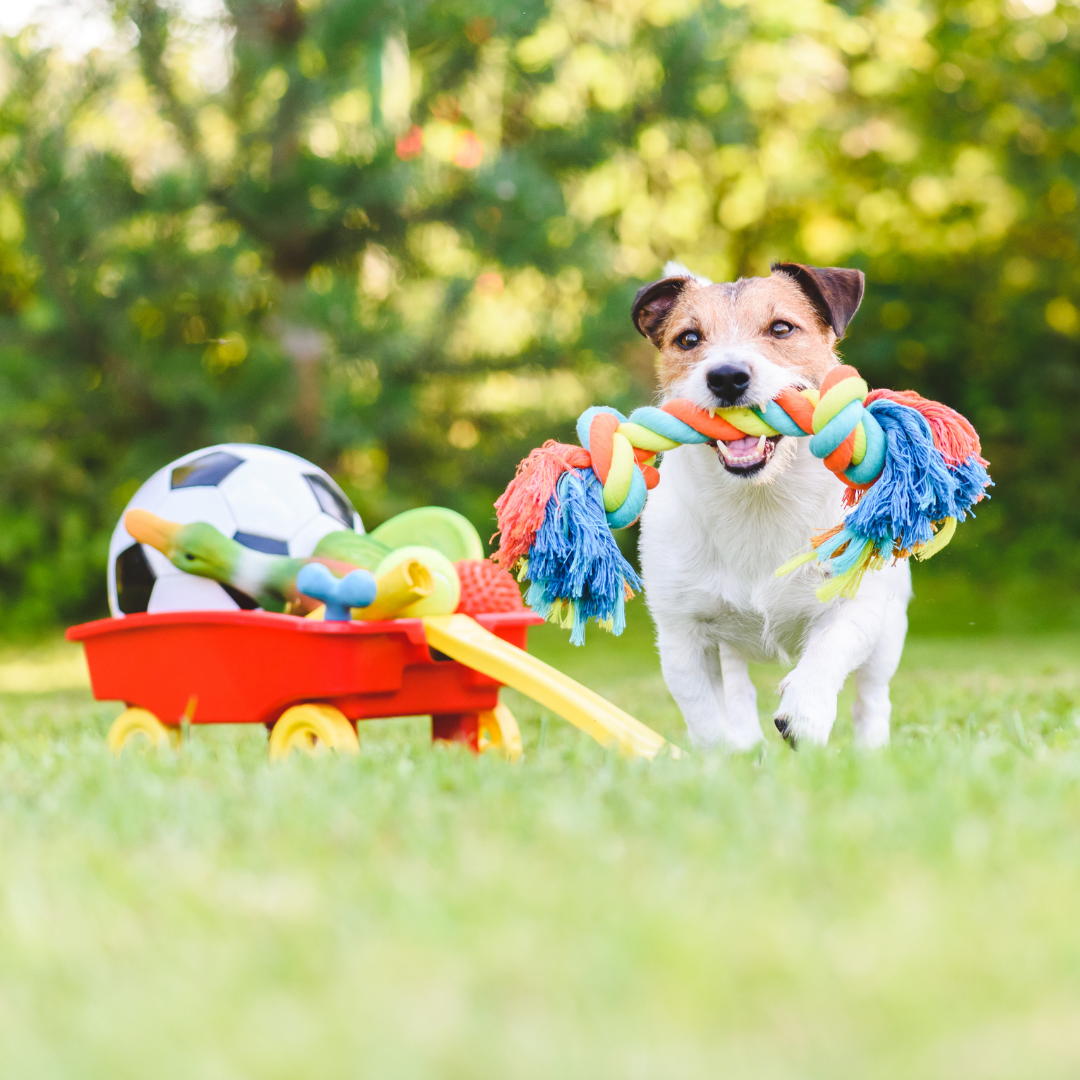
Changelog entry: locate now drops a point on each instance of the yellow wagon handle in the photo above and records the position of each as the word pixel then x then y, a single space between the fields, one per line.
pixel 463 639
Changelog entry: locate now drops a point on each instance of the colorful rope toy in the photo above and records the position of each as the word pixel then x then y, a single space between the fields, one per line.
pixel 912 468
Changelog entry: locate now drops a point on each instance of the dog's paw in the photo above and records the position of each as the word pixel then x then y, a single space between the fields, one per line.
pixel 739 740
pixel 871 730
pixel 806 713
pixel 784 728
pixel 870 714
pixel 728 740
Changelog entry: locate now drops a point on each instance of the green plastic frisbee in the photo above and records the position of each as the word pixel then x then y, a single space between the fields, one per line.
pixel 432 526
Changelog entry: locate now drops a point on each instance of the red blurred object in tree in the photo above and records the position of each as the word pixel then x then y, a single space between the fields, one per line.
pixel 479 30
pixel 411 144
pixel 468 150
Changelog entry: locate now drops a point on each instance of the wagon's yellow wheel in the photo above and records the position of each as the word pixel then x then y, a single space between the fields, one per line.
pixel 312 728
pixel 133 725
pixel 499 733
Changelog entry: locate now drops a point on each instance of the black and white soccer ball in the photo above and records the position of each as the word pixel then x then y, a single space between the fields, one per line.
pixel 263 498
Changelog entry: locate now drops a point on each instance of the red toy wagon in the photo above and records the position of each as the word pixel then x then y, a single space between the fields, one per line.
pixel 308 681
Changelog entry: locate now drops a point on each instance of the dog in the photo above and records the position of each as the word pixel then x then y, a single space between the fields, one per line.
pixel 724 517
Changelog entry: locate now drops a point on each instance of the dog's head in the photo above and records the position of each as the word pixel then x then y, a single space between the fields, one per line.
pixel 740 343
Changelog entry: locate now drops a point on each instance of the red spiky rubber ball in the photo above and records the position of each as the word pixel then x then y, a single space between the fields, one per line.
pixel 486 588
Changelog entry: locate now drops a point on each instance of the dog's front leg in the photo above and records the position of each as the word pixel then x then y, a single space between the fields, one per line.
pixel 839 643
pixel 740 697
pixel 872 707
pixel 690 659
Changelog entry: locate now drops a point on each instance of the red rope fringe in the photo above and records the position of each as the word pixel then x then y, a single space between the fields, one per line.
pixel 953 434
pixel 520 508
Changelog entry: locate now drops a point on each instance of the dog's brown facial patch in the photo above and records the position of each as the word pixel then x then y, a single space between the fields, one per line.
pixel 791 319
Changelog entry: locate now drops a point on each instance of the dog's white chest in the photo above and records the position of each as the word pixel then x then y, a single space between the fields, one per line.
pixel 711 544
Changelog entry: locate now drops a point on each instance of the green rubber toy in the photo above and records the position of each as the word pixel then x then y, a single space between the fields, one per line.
pixel 350 547
pixel 431 526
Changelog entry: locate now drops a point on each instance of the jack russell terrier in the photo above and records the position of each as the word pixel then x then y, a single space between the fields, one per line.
pixel 725 517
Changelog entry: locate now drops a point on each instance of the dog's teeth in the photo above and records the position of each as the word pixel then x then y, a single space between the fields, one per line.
pixel 712 413
pixel 757 456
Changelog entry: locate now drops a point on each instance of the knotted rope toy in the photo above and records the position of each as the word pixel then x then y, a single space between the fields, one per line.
pixel 912 468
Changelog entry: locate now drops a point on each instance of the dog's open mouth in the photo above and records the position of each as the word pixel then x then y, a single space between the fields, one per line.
pixel 747 455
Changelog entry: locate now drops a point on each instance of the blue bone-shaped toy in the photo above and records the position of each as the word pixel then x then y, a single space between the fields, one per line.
pixel 355 589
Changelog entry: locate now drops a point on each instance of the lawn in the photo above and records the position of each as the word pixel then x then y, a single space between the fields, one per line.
pixel 420 913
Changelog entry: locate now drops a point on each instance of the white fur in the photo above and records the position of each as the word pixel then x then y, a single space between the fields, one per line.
pixel 677 269
pixel 710 545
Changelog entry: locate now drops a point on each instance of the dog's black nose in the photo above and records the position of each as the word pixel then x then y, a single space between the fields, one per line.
pixel 728 382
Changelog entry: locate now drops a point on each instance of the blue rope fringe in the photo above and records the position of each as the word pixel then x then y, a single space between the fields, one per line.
pixel 575 558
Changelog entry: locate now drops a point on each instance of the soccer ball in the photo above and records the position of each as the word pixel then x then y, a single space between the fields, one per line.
pixel 263 498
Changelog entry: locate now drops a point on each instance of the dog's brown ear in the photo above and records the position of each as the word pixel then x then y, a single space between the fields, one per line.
pixel 834 291
pixel 653 304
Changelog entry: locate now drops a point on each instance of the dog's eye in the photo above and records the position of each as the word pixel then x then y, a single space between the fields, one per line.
pixel 688 339
pixel 781 328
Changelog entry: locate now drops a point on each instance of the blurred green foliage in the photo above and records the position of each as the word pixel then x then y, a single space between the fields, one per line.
pixel 401 239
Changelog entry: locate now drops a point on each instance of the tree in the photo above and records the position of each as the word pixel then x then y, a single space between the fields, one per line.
pixel 401 239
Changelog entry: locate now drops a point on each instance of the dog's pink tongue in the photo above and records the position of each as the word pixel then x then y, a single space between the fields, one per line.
pixel 742 446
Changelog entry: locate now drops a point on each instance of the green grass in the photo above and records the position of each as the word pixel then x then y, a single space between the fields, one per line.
pixel 420 913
